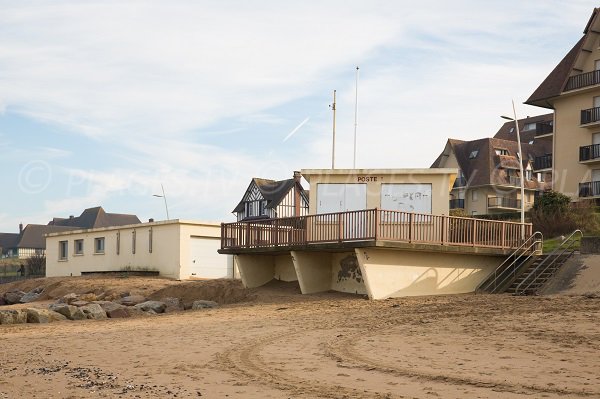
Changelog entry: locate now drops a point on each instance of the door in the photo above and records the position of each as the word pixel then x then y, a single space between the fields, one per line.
pixel 206 262
pixel 341 197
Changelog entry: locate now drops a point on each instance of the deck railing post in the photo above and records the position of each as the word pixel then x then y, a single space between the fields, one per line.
pixel 410 227
pixel 247 235
pixel 443 232
pixel 376 223
pixel 503 243
pixel 276 240
pixel 339 217
pixel 474 231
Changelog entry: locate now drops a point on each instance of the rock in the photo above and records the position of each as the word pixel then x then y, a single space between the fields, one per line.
pixel 154 306
pixel 13 297
pixel 204 305
pixel 118 313
pixel 69 311
pixel 89 297
pixel 30 297
pixel 2 301
pixel 94 311
pixel 35 315
pixel 38 290
pixel 101 296
pixel 131 300
pixel 173 304
pixel 69 298
pixel 79 303
pixel 13 316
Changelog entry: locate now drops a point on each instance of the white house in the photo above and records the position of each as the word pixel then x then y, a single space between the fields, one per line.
pixel 177 249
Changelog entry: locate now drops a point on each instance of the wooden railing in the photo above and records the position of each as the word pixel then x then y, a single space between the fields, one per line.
pixel 373 224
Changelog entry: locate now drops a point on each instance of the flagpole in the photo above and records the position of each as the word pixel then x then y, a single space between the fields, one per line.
pixel 355 117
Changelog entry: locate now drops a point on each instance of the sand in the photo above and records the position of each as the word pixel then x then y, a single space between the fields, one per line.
pixel 274 343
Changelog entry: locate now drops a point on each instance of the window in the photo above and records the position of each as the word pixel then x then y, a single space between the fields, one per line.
pixel 78 247
pixel 501 151
pixel 529 126
pixel 473 213
pixel 99 245
pixel 63 250
pixel 256 208
pixel 118 242
pixel 528 174
pixel 150 240
pixel 540 177
pixel 133 242
pixel 474 195
pixel 473 154
pixel 530 142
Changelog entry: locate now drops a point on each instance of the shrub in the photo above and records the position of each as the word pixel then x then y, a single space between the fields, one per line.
pixel 553 214
pixel 552 202
pixel 36 265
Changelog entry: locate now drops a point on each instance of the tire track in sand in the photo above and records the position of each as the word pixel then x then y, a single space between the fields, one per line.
pixel 342 350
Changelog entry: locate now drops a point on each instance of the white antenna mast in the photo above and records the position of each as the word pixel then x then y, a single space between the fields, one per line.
pixel 355 118
pixel 332 106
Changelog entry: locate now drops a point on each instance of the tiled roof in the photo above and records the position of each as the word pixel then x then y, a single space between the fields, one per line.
pixel 9 240
pixel 96 217
pixel 33 235
pixel 507 130
pixel 272 191
pixel 555 82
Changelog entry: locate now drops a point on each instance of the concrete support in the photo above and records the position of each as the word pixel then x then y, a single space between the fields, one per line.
pixel 256 270
pixel 389 273
pixel 313 270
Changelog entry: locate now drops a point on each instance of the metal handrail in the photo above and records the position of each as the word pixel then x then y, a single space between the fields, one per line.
pixel 528 248
pixel 553 256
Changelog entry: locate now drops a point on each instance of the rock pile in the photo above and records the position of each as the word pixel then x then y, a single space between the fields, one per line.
pixel 89 306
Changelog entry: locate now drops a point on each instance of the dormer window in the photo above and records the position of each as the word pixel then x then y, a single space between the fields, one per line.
pixel 473 154
pixel 529 126
pixel 501 151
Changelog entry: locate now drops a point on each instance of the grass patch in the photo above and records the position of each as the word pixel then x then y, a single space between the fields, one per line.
pixel 551 244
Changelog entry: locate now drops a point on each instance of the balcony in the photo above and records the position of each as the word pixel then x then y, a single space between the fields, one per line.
pixel 543 162
pixel 543 128
pixel 514 181
pixel 589 189
pixel 457 204
pixel 583 80
pixel 460 182
pixel 589 153
pixel 504 203
pixel 589 116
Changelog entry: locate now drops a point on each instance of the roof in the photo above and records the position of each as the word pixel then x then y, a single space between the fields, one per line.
pixel 272 191
pixel 33 235
pixel 507 130
pixel 488 168
pixel 96 217
pixel 9 240
pixel 555 82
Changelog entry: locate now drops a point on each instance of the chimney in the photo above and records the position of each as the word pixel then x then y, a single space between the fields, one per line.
pixel 71 217
pixel 20 228
pixel 151 220
pixel 297 199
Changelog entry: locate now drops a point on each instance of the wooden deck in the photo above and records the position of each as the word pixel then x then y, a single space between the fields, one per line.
pixel 371 227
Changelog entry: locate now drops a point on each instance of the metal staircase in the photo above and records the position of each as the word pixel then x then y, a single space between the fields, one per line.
pixel 505 274
pixel 537 274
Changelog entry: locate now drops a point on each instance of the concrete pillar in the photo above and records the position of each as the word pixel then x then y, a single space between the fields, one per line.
pixel 313 270
pixel 256 270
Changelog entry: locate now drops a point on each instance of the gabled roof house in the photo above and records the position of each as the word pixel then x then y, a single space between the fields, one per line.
pixel 267 199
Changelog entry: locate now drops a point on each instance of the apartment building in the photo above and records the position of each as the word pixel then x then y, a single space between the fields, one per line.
pixel 488 179
pixel 572 90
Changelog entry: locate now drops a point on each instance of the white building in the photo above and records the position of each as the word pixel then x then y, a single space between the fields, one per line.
pixel 177 249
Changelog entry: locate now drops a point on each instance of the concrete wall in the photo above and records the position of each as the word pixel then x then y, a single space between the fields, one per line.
pixel 257 270
pixel 169 253
pixel 392 273
pixel 440 179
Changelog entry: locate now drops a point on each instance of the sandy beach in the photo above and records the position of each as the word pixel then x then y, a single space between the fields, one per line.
pixel 275 343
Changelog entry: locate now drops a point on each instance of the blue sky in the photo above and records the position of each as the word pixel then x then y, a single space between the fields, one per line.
pixel 102 101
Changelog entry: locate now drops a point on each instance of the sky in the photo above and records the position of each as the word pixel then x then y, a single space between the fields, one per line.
pixel 101 102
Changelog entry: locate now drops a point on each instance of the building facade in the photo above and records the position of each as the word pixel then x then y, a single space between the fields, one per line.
pixel 572 90
pixel 175 249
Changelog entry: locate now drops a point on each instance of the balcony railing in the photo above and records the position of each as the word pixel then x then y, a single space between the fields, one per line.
pixel 542 162
pixel 589 152
pixel 504 202
pixel 589 189
pixel 542 128
pixel 583 80
pixel 590 115
pixel 371 225
pixel 457 203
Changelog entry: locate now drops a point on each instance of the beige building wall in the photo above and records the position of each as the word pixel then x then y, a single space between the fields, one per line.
pixel 391 273
pixel 568 137
pixel 440 179
pixel 158 246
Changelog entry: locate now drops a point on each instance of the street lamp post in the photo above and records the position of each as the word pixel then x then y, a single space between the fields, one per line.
pixel 522 179
pixel 164 197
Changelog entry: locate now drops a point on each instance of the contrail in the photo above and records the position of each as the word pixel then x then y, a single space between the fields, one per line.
pixel 296 129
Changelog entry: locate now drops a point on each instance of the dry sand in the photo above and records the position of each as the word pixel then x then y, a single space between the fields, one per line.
pixel 275 343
